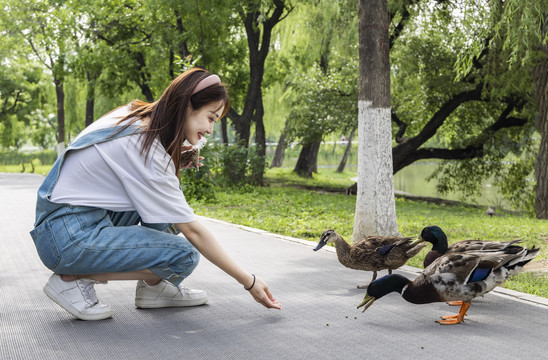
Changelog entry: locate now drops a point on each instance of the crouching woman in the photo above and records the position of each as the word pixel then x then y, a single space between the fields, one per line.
pixel 111 206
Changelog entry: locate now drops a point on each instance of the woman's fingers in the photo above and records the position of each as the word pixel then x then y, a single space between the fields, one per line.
pixel 262 295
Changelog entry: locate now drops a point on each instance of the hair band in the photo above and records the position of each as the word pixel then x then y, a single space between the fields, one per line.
pixel 207 82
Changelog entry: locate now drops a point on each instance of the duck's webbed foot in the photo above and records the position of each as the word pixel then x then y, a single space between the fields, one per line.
pixel 365 286
pixel 455 319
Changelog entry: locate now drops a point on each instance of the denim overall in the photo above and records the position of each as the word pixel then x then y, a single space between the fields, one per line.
pixel 78 240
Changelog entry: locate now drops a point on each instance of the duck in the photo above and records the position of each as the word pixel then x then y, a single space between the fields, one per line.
pixel 373 253
pixel 436 236
pixel 454 276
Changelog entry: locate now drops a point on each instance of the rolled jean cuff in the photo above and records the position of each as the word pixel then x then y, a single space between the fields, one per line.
pixel 173 277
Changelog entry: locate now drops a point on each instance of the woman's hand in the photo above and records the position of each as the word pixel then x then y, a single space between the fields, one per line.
pixel 262 295
pixel 204 241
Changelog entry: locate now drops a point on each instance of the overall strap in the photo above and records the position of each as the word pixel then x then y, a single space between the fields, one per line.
pixel 44 207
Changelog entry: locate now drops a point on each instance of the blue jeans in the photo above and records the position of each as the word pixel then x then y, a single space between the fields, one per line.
pixel 85 240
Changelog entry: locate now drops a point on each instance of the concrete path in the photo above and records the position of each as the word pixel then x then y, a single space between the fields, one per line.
pixel 319 319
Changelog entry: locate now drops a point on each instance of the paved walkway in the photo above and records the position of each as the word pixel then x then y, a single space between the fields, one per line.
pixel 319 319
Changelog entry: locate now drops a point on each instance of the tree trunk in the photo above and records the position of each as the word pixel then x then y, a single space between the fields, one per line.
pixel 260 139
pixel 90 98
pixel 143 77
pixel 540 75
pixel 307 163
pixel 146 90
pixel 259 45
pixel 224 131
pixel 280 152
pixel 375 203
pixel 90 104
pixel 342 165
pixel 60 94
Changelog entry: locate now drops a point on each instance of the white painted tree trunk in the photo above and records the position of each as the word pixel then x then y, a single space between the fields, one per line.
pixel 375 205
pixel 60 148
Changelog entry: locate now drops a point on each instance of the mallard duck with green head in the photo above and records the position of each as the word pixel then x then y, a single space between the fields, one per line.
pixel 374 253
pixel 457 276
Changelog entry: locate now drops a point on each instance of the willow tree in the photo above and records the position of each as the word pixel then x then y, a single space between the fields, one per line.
pixel 516 32
pixel 375 205
pixel 524 29
pixel 317 63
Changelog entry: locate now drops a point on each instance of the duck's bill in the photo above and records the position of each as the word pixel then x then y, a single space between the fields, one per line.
pixel 320 245
pixel 367 302
pixel 418 240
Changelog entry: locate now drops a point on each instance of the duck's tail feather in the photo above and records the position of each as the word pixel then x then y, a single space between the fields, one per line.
pixel 517 264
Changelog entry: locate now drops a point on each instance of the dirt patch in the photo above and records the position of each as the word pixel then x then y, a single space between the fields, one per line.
pixel 538 266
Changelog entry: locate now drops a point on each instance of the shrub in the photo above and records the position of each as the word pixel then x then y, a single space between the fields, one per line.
pixel 224 166
pixel 46 157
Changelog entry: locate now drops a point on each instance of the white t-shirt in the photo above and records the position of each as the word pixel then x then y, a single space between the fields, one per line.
pixel 113 175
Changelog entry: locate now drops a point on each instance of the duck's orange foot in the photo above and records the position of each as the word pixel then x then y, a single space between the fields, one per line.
pixel 450 320
pixel 455 319
pixel 454 303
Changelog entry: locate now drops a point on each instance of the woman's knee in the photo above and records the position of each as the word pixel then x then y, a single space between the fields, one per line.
pixel 186 261
pixel 195 256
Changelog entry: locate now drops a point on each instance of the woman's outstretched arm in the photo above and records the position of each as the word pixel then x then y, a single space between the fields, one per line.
pixel 204 241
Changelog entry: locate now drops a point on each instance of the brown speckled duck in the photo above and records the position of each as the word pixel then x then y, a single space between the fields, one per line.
pixel 374 253
pixel 436 236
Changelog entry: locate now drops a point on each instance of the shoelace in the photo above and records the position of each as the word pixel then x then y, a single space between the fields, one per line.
pixel 88 291
pixel 184 289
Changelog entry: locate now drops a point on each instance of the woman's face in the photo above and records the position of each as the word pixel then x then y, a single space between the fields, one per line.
pixel 200 122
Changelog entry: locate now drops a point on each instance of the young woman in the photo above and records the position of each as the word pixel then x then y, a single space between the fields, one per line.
pixel 111 206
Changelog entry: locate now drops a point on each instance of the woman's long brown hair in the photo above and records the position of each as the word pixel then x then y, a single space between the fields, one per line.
pixel 164 119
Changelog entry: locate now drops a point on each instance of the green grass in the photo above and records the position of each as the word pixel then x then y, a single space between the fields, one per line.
pixel 306 214
pixel 38 169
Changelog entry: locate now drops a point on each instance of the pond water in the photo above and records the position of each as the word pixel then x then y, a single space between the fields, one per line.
pixel 411 179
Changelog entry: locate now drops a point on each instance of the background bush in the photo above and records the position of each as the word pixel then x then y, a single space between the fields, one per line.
pixel 224 166
pixel 17 157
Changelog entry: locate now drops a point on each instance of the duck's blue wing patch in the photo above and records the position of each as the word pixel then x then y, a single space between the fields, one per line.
pixel 385 249
pixel 479 275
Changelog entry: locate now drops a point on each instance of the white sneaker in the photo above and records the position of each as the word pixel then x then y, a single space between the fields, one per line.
pixel 77 297
pixel 165 294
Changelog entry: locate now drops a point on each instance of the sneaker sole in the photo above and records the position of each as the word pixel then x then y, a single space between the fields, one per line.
pixel 154 304
pixel 59 300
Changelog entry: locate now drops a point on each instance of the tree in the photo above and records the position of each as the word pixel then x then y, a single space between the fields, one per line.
pixel 479 117
pixel 326 103
pixel 258 18
pixel 540 74
pixel 22 86
pixel 325 52
pixel 44 25
pixel 522 27
pixel 494 93
pixel 375 205
pixel 344 159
